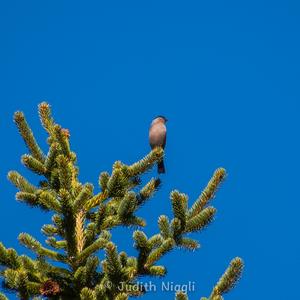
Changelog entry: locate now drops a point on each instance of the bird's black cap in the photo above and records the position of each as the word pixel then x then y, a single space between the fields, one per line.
pixel 163 117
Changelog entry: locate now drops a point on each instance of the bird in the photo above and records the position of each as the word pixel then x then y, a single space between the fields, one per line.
pixel 158 137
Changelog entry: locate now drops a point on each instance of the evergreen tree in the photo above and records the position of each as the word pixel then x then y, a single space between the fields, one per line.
pixel 68 267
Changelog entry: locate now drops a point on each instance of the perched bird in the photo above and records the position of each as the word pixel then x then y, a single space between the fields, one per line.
pixel 157 137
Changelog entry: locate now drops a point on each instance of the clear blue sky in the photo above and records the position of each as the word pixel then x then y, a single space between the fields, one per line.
pixel 225 73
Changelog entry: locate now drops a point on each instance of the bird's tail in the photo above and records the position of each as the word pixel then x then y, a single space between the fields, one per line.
pixel 161 167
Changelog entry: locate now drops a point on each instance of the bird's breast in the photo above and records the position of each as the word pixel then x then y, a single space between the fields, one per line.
pixel 157 135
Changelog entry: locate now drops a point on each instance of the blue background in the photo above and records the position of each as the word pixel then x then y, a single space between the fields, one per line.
pixel 225 73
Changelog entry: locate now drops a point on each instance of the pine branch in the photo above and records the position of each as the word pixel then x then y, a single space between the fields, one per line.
pixel 209 192
pixel 179 205
pixel 159 271
pixel 51 241
pixel 103 180
pixel 51 156
pixel 201 220
pixel 87 275
pixel 20 182
pixel 62 137
pixel 156 254
pixel 45 117
pixel 28 137
pixel 32 244
pixel 181 296
pixel 127 206
pixel 3 297
pixel 141 241
pixel 29 198
pixel 49 230
pixel 9 257
pixel 65 171
pixel 122 296
pixel 164 226
pixel 95 201
pixel 46 199
pixel 87 294
pixel 100 243
pixel 79 231
pixel 116 185
pixel 43 199
pixel 85 194
pixel 148 190
pixel 187 243
pixel 229 278
pixel 53 271
pixel 18 280
pixel 33 164
pixel 155 241
pixel 112 263
pixel 146 163
pixel 67 222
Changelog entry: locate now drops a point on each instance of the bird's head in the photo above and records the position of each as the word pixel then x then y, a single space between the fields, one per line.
pixel 160 119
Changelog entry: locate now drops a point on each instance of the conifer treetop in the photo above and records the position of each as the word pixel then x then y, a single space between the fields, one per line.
pixel 67 265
